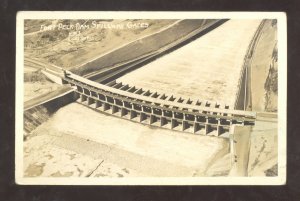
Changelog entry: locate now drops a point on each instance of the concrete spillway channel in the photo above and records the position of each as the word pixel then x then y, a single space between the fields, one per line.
pixel 166 79
pixel 209 68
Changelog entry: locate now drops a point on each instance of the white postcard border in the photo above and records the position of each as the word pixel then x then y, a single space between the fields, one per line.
pixel 282 98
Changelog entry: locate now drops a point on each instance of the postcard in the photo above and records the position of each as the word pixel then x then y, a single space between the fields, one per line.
pixel 151 98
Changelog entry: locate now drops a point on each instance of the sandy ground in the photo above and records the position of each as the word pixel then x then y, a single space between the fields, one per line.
pixel 109 146
pixel 29 69
pixel 261 61
pixel 207 69
pixel 263 151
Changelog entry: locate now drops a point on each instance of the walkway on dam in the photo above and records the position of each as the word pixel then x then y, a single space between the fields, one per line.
pixel 208 68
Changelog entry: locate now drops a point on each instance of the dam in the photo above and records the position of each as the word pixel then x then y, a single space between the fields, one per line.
pixel 189 98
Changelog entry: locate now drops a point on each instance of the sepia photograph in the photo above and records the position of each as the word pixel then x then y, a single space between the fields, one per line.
pixel 151 98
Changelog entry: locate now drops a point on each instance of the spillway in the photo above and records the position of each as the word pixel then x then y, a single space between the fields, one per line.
pixel 208 68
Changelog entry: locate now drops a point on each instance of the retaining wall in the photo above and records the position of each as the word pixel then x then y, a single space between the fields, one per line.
pixel 40 113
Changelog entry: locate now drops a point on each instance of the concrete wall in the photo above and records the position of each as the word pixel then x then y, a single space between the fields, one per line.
pixel 244 101
pixel 240 150
pixel 34 117
pixel 40 113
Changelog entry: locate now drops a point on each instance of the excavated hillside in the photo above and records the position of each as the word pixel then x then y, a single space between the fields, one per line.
pixel 264 70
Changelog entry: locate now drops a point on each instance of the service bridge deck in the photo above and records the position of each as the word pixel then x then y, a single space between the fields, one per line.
pixel 157 112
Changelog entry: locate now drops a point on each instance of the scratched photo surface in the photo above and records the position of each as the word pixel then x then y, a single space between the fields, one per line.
pixel 150 98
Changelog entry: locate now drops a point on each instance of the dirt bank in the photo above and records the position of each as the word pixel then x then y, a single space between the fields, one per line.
pixel 67 48
pixel 271 85
pixel 264 70
pixel 36 83
pixel 58 47
pixel 264 149
pixel 264 84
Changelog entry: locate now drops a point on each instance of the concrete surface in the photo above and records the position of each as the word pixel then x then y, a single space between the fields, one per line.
pixel 240 148
pixel 96 137
pixel 207 68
